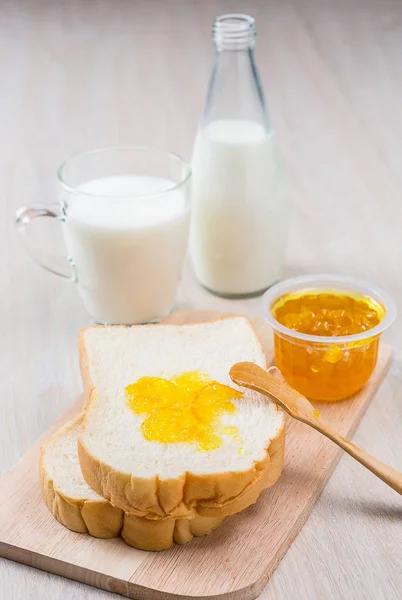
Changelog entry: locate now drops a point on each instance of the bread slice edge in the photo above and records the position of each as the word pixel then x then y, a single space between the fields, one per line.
pixel 101 519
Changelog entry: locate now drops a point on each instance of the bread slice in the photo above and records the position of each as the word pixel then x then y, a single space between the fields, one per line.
pixel 157 480
pixel 76 506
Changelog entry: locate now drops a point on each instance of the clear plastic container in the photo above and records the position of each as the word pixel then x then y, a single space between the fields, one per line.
pixel 327 368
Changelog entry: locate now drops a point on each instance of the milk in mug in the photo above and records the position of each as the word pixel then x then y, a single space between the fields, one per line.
pixel 128 247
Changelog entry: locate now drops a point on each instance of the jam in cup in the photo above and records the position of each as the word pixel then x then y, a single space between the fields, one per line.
pixel 326 333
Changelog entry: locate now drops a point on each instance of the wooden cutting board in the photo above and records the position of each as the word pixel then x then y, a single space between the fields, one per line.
pixel 234 562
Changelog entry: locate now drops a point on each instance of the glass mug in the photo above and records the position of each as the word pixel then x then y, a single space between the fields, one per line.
pixel 125 218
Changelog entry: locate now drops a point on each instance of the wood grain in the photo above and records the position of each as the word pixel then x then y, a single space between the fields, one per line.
pixel 81 74
pixel 228 564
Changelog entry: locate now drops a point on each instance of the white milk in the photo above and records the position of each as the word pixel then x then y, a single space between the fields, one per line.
pixel 240 215
pixel 128 251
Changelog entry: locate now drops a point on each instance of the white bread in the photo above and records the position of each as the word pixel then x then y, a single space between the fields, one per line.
pixel 155 480
pixel 76 506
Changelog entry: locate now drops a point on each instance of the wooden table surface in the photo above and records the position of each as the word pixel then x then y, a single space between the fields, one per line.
pixel 81 74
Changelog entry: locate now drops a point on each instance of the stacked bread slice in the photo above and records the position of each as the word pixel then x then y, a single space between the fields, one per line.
pixel 99 474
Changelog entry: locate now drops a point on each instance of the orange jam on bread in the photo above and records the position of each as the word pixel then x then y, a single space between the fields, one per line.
pixel 185 408
pixel 326 370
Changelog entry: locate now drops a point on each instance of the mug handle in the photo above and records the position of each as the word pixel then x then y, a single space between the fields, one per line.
pixel 63 266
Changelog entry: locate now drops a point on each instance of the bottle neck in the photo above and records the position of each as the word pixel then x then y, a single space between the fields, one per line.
pixel 235 90
pixel 234 33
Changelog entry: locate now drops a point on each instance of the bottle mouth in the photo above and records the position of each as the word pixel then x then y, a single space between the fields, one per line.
pixel 234 32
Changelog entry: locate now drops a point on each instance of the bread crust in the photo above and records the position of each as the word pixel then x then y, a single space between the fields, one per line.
pixel 184 496
pixel 101 519
pixel 97 517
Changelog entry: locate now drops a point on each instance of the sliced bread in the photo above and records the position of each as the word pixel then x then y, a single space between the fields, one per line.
pixel 76 506
pixel 153 479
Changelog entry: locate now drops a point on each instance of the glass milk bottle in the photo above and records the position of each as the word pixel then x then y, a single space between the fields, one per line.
pixel 240 214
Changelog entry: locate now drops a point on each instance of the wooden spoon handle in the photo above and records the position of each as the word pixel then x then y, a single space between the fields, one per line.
pixel 390 476
pixel 297 406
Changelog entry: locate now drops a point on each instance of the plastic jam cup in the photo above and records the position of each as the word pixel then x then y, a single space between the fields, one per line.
pixel 327 368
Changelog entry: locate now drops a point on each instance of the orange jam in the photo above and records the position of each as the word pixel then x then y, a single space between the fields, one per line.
pixel 185 408
pixel 326 370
